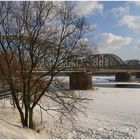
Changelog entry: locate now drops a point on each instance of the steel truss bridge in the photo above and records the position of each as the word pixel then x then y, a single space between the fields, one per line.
pixel 96 63
pixel 105 63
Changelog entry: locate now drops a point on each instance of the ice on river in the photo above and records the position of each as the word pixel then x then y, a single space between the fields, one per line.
pixel 113 113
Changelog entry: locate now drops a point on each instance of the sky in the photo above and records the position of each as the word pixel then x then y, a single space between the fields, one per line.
pixel 115 26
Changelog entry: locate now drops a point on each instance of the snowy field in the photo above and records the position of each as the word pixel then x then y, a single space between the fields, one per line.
pixel 113 113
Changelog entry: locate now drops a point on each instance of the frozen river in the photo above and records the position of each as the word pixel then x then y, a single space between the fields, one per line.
pixel 112 113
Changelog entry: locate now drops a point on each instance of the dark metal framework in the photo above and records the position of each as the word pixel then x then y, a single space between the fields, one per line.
pixel 103 61
pixel 133 63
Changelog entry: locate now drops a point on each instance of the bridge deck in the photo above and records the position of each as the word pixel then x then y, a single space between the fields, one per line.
pixel 99 71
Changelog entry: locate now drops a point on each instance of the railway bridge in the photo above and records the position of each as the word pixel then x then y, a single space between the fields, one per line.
pixel 102 63
pixel 80 69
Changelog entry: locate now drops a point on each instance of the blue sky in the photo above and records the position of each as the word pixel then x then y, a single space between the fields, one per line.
pixel 117 26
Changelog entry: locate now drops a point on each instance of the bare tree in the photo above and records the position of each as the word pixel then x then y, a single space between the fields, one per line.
pixel 36 36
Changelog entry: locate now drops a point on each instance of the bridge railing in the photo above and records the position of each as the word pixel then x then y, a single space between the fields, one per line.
pixel 98 68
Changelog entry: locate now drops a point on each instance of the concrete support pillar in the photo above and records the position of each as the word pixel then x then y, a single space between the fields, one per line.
pixel 137 74
pixel 123 77
pixel 81 81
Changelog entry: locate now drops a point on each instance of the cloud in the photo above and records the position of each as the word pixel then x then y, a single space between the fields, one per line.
pixel 131 21
pixel 120 11
pixel 82 41
pixel 125 18
pixel 137 3
pixel 137 46
pixel 84 8
pixel 92 27
pixel 109 41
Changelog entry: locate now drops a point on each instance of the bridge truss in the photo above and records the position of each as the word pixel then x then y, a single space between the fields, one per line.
pixel 104 61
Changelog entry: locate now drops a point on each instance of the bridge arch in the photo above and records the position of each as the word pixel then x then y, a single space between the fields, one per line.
pixel 133 62
pixel 104 61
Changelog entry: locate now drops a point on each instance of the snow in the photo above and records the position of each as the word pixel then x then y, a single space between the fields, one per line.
pixel 112 113
pixel 10 125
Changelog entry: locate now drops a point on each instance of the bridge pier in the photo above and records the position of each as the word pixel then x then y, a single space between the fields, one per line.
pixel 81 81
pixel 123 77
pixel 137 74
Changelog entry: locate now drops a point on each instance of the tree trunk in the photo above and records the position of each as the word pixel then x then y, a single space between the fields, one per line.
pixel 26 116
pixel 19 108
pixel 31 125
pixel 13 102
pixel 22 119
pixel 26 110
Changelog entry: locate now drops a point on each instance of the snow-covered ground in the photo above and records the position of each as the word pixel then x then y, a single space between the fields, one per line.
pixel 10 125
pixel 113 113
